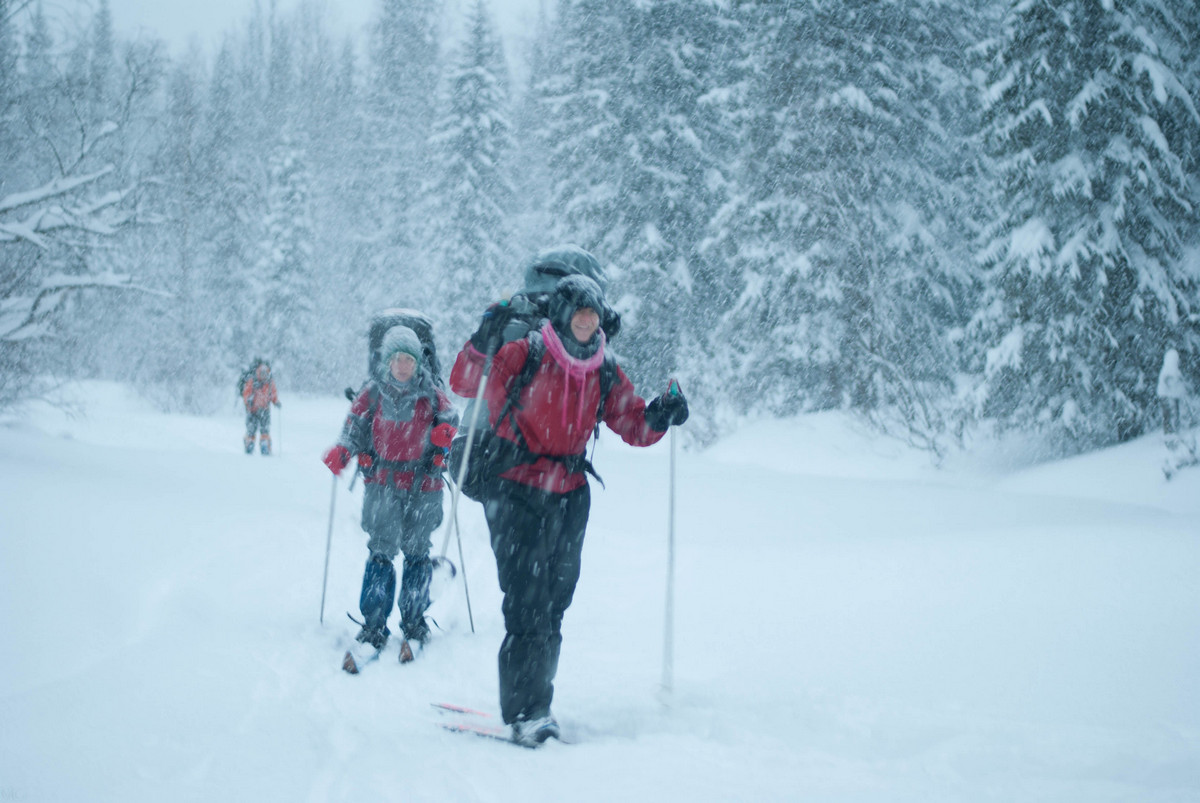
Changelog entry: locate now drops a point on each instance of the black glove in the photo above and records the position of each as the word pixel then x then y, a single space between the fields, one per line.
pixel 489 337
pixel 668 410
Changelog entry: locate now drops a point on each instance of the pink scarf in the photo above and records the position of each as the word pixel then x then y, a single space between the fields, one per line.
pixel 575 368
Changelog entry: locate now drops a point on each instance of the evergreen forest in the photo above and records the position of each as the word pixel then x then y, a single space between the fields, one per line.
pixel 939 215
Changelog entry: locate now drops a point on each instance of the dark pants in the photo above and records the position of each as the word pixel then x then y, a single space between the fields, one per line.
pixel 537 538
pixel 258 421
pixel 379 589
pixel 398 521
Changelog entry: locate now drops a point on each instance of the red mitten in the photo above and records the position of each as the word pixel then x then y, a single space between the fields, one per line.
pixel 365 461
pixel 442 435
pixel 336 458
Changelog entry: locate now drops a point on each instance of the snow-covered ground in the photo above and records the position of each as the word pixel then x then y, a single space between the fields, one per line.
pixel 851 624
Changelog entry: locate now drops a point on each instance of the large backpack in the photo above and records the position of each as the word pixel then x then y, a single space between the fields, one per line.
pixel 492 455
pixel 384 320
pixel 381 322
pixel 248 374
pixel 241 380
pixel 529 307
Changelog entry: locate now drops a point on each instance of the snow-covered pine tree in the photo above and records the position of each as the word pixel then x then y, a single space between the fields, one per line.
pixel 1090 125
pixel 849 209
pixel 637 142
pixel 230 162
pixel 678 144
pixel 179 355
pixel 102 65
pixel 531 173
pixel 10 88
pixel 329 110
pixel 403 77
pixel 470 213
pixel 582 112
pixel 37 59
pixel 284 276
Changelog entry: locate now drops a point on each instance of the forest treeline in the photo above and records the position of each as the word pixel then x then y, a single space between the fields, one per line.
pixel 938 214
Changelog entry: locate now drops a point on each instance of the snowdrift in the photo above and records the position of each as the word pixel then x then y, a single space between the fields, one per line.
pixel 850 624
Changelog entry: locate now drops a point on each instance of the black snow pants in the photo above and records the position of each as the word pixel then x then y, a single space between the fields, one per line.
pixel 537 538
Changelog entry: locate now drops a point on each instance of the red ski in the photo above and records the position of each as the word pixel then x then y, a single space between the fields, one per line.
pixel 479 723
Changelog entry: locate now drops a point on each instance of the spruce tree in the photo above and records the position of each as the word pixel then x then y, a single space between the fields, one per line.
pixel 472 194
pixel 103 57
pixel 1090 125
pixel 584 104
pixel 231 166
pixel 678 142
pixel 404 76
pixel 850 209
pixel 638 145
pixel 284 277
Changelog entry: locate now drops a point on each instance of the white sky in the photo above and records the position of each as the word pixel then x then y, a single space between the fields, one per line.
pixel 178 21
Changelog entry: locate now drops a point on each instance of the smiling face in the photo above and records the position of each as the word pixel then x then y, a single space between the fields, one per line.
pixel 402 366
pixel 584 324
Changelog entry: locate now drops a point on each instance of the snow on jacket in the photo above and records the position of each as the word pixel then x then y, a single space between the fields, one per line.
pixel 258 395
pixel 386 422
pixel 556 411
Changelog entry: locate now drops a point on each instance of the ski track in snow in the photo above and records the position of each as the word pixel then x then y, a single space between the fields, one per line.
pixel 850 624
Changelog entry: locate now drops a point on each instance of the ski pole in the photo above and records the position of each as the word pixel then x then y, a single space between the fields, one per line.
pixel 456 490
pixel 462 562
pixel 669 615
pixel 328 543
pixel 456 486
pixel 480 401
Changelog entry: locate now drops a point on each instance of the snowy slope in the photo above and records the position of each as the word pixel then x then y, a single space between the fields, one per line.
pixel 851 624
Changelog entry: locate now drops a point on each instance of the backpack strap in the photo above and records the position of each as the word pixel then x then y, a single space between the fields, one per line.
pixel 533 361
pixel 608 381
pixel 378 464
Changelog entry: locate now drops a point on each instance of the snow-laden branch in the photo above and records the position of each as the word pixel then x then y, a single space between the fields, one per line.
pixel 25 317
pixel 84 217
pixel 60 186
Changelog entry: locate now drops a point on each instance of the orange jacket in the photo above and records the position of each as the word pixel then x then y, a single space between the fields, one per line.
pixel 259 395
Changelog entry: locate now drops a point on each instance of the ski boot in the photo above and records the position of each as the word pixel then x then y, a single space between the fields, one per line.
pixel 414 634
pixel 535 732
pixel 369 642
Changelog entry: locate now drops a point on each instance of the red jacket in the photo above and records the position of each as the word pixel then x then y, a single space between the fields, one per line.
pixel 556 414
pixel 398 445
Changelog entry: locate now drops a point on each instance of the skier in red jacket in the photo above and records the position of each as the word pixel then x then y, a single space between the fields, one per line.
pixel 400 428
pixel 538 509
